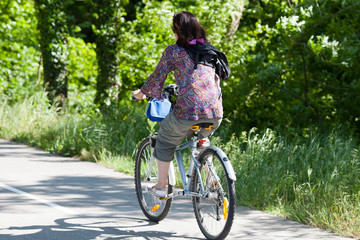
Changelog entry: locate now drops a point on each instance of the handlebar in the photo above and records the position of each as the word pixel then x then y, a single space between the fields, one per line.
pixel 171 89
pixel 168 91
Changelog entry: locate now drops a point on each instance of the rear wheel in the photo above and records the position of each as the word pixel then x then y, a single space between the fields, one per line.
pixel 214 211
pixel 146 175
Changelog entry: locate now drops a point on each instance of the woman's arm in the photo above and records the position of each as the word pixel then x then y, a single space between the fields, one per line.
pixel 138 95
pixel 154 84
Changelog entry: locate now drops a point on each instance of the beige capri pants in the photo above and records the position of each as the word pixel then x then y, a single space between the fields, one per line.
pixel 173 131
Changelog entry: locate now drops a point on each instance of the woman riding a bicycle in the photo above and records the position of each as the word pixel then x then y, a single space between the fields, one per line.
pixel 198 68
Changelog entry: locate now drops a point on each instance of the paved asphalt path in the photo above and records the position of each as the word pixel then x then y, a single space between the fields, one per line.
pixel 44 196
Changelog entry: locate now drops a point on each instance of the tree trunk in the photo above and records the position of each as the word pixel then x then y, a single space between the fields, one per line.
pixel 236 18
pixel 107 39
pixel 54 49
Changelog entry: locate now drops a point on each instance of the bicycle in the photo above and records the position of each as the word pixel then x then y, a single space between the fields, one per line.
pixel 209 181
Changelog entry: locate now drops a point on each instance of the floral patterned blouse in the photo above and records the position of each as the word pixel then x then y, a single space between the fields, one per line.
pixel 199 89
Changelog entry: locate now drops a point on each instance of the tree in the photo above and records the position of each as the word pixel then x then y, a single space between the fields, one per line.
pixel 53 43
pixel 108 14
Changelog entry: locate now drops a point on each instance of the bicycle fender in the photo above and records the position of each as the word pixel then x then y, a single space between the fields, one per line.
pixel 226 161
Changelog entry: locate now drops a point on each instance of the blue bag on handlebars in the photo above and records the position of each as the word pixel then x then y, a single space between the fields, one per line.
pixel 157 110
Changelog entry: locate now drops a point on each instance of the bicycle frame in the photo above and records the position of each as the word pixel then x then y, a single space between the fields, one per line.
pixel 185 178
pixel 194 163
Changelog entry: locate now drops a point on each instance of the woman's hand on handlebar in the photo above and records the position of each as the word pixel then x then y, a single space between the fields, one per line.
pixel 138 95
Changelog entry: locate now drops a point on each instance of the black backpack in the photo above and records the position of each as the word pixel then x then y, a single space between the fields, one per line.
pixel 208 55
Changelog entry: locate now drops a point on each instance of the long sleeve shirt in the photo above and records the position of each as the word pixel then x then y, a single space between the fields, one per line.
pixel 199 89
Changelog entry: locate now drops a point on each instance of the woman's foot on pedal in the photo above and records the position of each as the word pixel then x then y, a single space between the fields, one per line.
pixel 159 192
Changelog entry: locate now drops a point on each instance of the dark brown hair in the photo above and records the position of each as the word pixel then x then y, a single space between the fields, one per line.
pixel 187 27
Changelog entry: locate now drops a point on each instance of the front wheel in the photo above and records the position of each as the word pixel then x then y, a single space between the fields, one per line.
pixel 146 175
pixel 214 211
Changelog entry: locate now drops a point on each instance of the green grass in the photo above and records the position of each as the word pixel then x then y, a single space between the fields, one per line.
pixel 311 178
pixel 71 134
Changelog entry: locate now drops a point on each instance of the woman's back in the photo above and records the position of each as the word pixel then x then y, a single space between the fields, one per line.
pixel 199 88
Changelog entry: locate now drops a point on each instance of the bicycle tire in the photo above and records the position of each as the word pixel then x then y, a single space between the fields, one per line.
pixel 214 220
pixel 147 200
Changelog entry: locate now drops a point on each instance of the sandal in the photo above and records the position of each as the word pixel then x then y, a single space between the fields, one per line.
pixel 159 192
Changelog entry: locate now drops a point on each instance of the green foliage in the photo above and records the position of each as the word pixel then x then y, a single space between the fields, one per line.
pixel 300 66
pixel 19 58
pixel 82 64
pixel 292 63
pixel 80 19
pixel 145 38
pixel 82 76
pixel 143 41
pixel 53 42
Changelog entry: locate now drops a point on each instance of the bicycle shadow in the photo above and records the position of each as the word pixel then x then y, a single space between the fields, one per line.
pixel 83 228
pixel 95 198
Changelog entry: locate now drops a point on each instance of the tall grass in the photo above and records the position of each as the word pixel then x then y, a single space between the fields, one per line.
pixel 313 178
pixel 71 134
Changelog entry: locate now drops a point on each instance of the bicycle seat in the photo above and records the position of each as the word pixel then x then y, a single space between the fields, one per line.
pixel 206 126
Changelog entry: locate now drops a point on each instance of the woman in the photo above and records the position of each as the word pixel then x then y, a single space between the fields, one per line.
pixel 197 66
